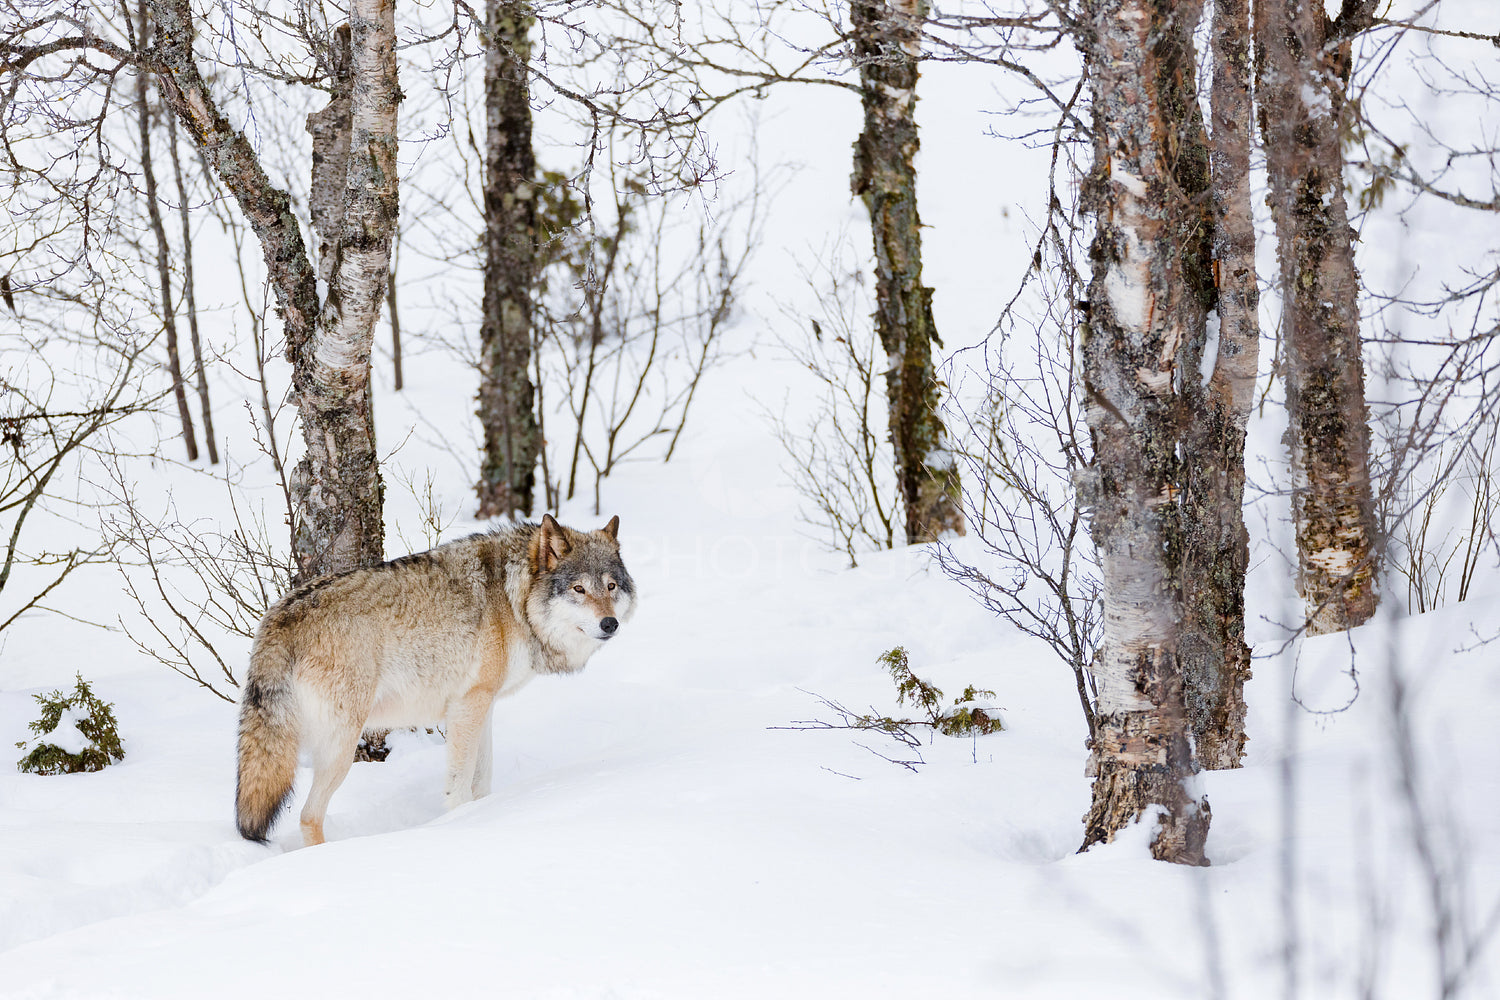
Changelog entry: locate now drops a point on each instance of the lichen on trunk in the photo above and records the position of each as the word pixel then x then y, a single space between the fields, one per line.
pixel 337 486
pixel 512 438
pixel 1143 338
pixel 1301 75
pixel 887 45
pixel 1215 657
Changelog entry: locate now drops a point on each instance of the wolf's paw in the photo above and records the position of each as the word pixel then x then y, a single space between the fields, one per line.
pixel 454 798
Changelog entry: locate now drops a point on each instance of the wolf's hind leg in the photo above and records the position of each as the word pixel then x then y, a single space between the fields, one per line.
pixel 466 722
pixel 331 758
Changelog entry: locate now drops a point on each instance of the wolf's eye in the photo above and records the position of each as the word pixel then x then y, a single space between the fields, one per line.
pixel 578 587
pixel 611 585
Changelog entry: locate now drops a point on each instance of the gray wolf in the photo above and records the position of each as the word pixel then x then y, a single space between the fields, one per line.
pixel 435 636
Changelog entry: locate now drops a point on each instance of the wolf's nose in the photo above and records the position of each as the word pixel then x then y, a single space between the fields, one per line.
pixel 609 625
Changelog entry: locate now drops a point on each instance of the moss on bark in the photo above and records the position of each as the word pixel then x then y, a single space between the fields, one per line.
pixel 887 39
pixel 512 438
pixel 1301 79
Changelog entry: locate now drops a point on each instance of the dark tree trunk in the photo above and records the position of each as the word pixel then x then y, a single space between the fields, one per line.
pixel 887 45
pixel 189 295
pixel 512 439
pixel 1301 74
pixel 1148 300
pixel 1215 658
pixel 163 250
pixel 399 381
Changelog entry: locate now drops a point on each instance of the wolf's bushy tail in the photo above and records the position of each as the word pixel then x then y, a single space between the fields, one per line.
pixel 268 737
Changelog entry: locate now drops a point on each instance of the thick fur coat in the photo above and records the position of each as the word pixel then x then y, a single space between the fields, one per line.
pixel 427 638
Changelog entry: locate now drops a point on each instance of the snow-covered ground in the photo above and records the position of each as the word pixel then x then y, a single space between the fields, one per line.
pixel 656 830
pixel 652 834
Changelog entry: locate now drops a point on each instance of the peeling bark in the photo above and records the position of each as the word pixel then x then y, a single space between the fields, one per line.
pixel 1301 73
pixel 887 44
pixel 337 484
pixel 1147 308
pixel 336 489
pixel 1215 658
pixel 330 130
pixel 512 438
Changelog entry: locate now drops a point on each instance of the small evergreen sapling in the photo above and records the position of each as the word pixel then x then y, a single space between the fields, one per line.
pixel 75 732
pixel 972 714
pixel 966 717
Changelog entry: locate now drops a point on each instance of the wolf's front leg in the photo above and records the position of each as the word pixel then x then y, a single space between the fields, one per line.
pixel 484 764
pixel 466 724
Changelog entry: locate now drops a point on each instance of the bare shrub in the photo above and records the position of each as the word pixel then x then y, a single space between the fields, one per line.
pixel 197 584
pixel 1028 494
pixel 627 337
pixel 55 423
pixel 836 458
pixel 1449 519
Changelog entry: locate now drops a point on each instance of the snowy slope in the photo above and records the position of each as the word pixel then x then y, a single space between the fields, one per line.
pixel 651 835
pixel 656 832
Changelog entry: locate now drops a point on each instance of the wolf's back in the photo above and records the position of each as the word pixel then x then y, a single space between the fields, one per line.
pixel 268 735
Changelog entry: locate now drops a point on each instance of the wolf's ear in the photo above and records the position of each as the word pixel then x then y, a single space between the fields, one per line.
pixel 612 529
pixel 552 542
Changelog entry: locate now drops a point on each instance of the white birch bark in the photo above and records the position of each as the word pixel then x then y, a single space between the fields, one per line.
pixel 1143 313
pixel 337 484
pixel 336 487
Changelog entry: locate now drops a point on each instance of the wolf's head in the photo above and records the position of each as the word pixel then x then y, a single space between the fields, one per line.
pixel 587 592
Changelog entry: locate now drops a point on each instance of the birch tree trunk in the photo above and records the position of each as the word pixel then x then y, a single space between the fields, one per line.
pixel 336 488
pixel 1301 73
pixel 1147 306
pixel 1215 658
pixel 337 484
pixel 887 44
pixel 330 129
pixel 512 439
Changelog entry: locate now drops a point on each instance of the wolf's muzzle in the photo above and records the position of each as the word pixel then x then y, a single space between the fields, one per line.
pixel 608 625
